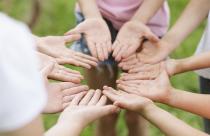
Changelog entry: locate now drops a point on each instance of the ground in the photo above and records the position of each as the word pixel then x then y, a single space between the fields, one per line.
pixel 57 17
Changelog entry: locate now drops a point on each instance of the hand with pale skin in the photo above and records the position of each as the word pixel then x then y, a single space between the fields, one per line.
pixel 127 101
pixel 59 93
pixel 152 53
pixel 141 71
pixel 55 46
pixel 85 108
pixel 158 89
pixel 97 35
pixel 129 39
pixel 59 72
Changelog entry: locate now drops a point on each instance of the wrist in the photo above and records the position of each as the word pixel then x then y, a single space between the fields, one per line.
pixel 172 42
pixel 173 66
pixel 147 109
pixel 171 97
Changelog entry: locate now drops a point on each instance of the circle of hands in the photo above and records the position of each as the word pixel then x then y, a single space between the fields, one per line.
pixel 139 53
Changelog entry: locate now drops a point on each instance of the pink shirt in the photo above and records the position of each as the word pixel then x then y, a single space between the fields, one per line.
pixel 121 11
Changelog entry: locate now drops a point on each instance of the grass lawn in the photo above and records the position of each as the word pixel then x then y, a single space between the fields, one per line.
pixel 57 17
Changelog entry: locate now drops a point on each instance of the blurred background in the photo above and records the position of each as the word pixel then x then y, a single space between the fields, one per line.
pixel 55 17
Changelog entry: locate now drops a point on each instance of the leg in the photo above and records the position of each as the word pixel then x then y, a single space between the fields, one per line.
pixel 137 125
pixel 205 89
pixel 97 78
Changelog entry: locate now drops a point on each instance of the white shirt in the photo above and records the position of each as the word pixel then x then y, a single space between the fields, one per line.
pixel 22 94
pixel 204 46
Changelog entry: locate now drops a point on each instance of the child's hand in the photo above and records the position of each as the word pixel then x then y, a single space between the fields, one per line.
pixel 127 101
pixel 86 108
pixel 157 90
pixel 130 38
pixel 59 72
pixel 55 46
pixel 154 52
pixel 97 35
pixel 59 94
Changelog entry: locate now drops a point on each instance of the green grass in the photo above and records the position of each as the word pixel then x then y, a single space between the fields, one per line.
pixel 58 16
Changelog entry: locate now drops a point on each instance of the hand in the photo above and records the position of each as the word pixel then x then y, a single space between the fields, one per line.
pixel 59 94
pixel 140 71
pixel 97 35
pixel 86 108
pixel 127 101
pixel 157 90
pixel 59 72
pixel 130 38
pixel 55 46
pixel 152 53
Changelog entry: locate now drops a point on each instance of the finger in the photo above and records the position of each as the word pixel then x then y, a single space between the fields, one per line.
pixel 100 52
pixel 87 97
pixel 109 44
pixel 105 51
pixel 71 38
pixel 95 97
pixel 107 110
pixel 92 48
pixel 85 60
pixel 77 98
pixel 88 57
pixel 134 56
pixel 67 99
pixel 77 30
pixel 65 105
pixel 75 90
pixel 150 36
pixel 127 89
pixel 132 49
pixel 121 52
pixel 68 70
pixel 67 85
pixel 47 70
pixel 72 62
pixel 122 104
pixel 117 50
pixel 102 101
pixel 111 95
pixel 115 44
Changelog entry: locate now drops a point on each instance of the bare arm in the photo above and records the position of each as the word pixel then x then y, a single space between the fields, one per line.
pixel 168 124
pixel 191 102
pixel 197 62
pixel 89 8
pixel 195 12
pixel 147 10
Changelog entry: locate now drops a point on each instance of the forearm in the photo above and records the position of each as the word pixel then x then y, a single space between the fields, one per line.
pixel 147 10
pixel 64 130
pixel 168 124
pixel 200 61
pixel 195 12
pixel 191 102
pixel 89 8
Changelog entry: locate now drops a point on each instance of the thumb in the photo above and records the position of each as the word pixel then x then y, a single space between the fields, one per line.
pixel 151 36
pixel 71 38
pixel 109 109
pixel 47 70
pixel 77 30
